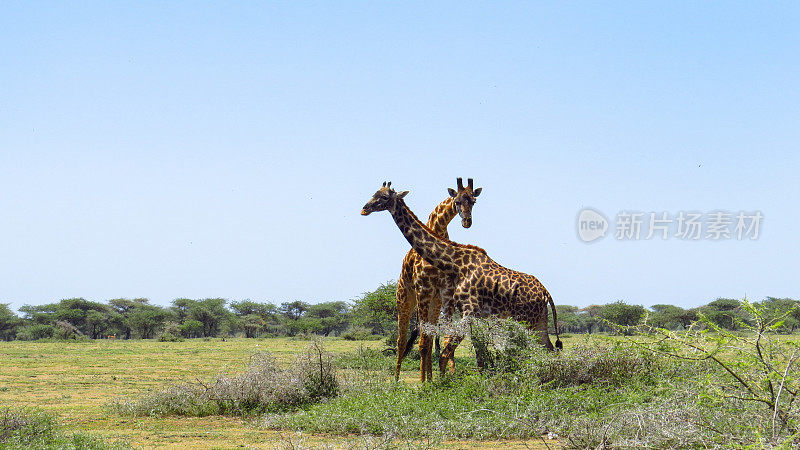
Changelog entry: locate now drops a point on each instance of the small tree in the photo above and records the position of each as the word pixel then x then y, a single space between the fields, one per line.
pixel 293 310
pixel 252 325
pixel 620 313
pixel 255 318
pixel 123 307
pixel 568 319
pixel 501 345
pixel 668 316
pixel 783 307
pixel 146 320
pixel 90 318
pixel 191 328
pixel 291 315
pixel 332 317
pixel 590 318
pixel 377 310
pixel 181 307
pixel 724 312
pixel 9 323
pixel 211 313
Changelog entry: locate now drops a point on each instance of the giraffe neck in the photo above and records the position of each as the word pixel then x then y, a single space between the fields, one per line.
pixel 440 253
pixel 441 217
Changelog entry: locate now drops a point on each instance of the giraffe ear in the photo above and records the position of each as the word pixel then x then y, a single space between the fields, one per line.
pixel 477 192
pixel 402 194
pixel 452 192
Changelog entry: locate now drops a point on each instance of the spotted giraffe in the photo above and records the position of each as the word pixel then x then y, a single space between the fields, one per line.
pixel 482 286
pixel 422 285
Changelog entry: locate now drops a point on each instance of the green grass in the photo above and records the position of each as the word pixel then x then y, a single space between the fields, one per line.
pixel 600 391
pixel 25 428
pixel 521 405
pixel 74 382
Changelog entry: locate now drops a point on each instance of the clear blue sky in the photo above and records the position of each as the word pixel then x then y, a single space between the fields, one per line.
pixel 199 149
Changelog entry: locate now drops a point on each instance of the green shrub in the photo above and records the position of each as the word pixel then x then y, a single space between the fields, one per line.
pixel 169 337
pixel 359 334
pixel 66 331
pixel 502 345
pixel 35 332
pixel 582 364
pixel 304 336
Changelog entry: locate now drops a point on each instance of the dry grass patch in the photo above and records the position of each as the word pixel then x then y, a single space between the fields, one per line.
pixel 76 380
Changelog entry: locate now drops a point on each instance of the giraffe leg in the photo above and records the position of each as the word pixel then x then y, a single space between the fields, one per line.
pixel 447 361
pixel 406 301
pixel 467 298
pixel 541 329
pixel 434 308
pixel 425 337
pixel 479 361
pixel 448 307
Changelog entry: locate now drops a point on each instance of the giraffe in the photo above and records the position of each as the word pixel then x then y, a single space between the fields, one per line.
pixel 422 285
pixel 482 286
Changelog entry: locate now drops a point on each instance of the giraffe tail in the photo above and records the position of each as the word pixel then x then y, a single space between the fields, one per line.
pixel 411 340
pixel 559 345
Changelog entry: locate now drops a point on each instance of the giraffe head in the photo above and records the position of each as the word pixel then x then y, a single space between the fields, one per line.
pixel 383 199
pixel 464 199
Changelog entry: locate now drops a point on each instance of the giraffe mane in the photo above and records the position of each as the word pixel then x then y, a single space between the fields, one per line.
pixel 446 241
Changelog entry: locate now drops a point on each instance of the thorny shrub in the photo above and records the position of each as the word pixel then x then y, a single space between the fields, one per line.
pixel 507 346
pixel 263 387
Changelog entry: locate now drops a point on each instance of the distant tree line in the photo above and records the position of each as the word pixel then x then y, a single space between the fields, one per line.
pixel 727 313
pixel 373 314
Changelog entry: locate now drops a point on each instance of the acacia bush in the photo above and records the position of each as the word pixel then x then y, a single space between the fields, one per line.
pixel 754 370
pixel 501 345
pixel 507 346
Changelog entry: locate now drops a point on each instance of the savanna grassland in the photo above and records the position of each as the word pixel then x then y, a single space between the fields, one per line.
pixel 659 389
pixel 76 381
